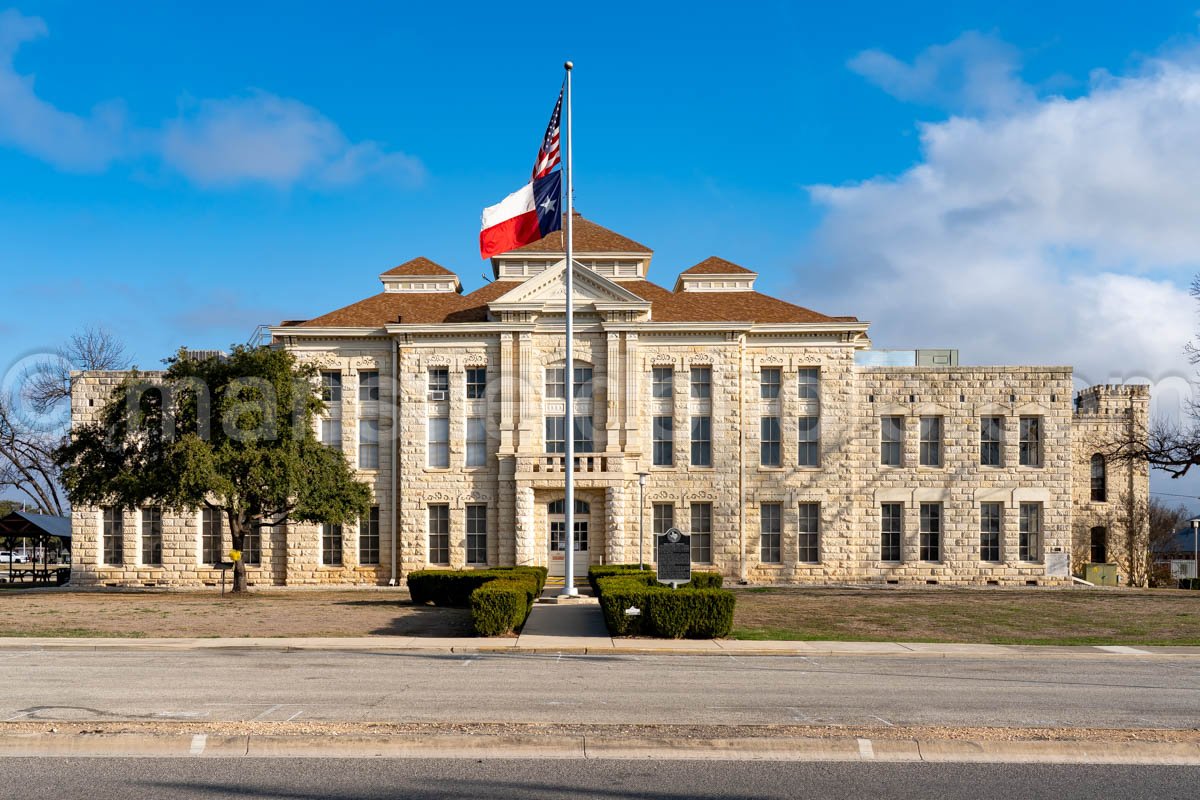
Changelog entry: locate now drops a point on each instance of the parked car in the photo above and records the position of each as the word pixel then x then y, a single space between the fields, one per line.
pixel 17 558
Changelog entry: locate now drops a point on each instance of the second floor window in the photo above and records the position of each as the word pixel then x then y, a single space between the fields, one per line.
pixel 771 445
pixel 768 383
pixel 439 383
pixel 476 442
pixel 368 387
pixel 701 383
pixel 583 383
pixel 664 441
pixel 556 434
pixel 991 431
pixel 438 445
pixel 1099 479
pixel 891 441
pixel 368 443
pixel 810 383
pixel 585 441
pixel 331 387
pixel 809 453
pixel 331 433
pixel 476 383
pixel 1031 442
pixel 931 441
pixel 701 441
pixel 556 386
pixel 664 383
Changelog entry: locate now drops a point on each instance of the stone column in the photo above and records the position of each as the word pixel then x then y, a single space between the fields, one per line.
pixel 507 384
pixel 524 386
pixel 524 527
pixel 612 394
pixel 614 541
pixel 633 441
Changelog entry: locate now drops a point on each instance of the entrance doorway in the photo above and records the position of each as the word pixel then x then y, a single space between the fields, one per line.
pixel 555 513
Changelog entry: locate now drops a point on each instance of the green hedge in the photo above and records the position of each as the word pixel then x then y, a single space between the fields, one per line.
pixel 700 580
pixel 500 598
pixel 705 612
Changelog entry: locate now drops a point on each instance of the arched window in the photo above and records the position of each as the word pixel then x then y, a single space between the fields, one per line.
pixel 559 507
pixel 1099 548
pixel 1099 479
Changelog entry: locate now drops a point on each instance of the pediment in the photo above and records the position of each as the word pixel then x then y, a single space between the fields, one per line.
pixel 548 292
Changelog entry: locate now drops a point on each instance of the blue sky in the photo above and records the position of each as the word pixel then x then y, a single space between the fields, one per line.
pixel 181 173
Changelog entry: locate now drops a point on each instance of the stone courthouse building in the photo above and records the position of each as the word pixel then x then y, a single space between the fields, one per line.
pixel 760 427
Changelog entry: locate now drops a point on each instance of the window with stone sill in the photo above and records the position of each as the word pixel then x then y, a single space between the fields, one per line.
pixel 770 442
pixel 768 383
pixel 810 383
pixel 476 383
pixel 701 441
pixel 809 533
pixel 477 533
pixel 438 446
pixel 990 518
pixel 152 529
pixel 931 442
pixel 331 545
pixel 663 519
pixel 113 535
pixel 1029 541
pixel 210 536
pixel 809 454
pixel 439 379
pixel 891 530
pixel 891 441
pixel 368 387
pixel 991 439
pixel 701 383
pixel 368 444
pixel 930 544
pixel 663 436
pixel 368 538
pixel 439 534
pixel 664 383
pixel 476 442
pixel 701 532
pixel 771 532
pixel 331 387
pixel 1030 446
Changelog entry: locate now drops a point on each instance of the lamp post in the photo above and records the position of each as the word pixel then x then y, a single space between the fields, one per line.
pixel 1196 547
pixel 641 519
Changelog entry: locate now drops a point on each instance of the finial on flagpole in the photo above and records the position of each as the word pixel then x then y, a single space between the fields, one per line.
pixel 568 66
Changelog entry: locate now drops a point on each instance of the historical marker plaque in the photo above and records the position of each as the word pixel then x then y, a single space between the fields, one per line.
pixel 674 557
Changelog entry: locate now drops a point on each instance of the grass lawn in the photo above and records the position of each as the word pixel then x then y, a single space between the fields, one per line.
pixel 985 616
pixel 209 614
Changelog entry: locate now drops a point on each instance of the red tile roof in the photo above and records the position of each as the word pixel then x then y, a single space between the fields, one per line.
pixel 717 266
pixel 419 266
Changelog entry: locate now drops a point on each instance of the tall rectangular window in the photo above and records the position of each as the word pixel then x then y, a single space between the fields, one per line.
pixel 1031 442
pixel 768 383
pixel 331 545
pixel 152 537
pixel 891 441
pixel 439 383
pixel 931 441
pixel 701 383
pixel 809 454
pixel 439 534
pixel 368 538
pixel 368 387
pixel 368 444
pixel 702 533
pixel 331 432
pixel 1029 542
pixel 331 387
pixel 585 438
pixel 809 533
pixel 1099 479
pixel 770 446
pixel 663 429
pixel 114 536
pixel 662 519
pixel 583 383
pixel 556 434
pixel 476 442
pixel 770 532
pixel 664 383
pixel 252 546
pixel 438 449
pixel 556 385
pixel 931 532
pixel 476 383
pixel 891 531
pixel 991 432
pixel 701 441
pixel 210 536
pixel 1099 545
pixel 990 516
pixel 810 383
pixel 477 533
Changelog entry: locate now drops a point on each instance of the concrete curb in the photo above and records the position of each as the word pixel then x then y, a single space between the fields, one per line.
pixel 576 746
pixel 599 646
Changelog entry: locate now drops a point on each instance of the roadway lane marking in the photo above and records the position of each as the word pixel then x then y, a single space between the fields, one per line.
pixel 866 750
pixel 198 743
pixel 1123 650
pixel 884 721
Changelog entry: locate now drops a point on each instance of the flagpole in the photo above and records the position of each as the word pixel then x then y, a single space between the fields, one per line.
pixel 569 589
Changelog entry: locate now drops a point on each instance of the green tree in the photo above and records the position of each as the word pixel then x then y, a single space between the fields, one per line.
pixel 234 434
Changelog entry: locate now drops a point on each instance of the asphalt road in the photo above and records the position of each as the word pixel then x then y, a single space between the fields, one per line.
pixel 1117 691
pixel 329 779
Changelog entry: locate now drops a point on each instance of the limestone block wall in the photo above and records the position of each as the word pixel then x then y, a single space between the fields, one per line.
pixel 1106 415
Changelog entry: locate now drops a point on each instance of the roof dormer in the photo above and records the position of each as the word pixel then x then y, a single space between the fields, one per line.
pixel 716 275
pixel 421 276
pixel 597 248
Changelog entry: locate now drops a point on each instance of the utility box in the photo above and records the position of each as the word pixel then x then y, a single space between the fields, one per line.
pixel 1102 574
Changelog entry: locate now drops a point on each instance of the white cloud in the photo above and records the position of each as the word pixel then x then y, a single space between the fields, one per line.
pixel 256 138
pixel 975 72
pixel 27 122
pixel 1057 232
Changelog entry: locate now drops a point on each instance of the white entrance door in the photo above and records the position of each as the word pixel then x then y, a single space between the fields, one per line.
pixel 558 538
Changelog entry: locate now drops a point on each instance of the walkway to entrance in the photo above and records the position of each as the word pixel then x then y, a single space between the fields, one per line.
pixel 554 624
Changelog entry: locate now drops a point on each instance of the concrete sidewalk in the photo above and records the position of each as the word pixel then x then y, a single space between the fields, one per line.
pixel 542 631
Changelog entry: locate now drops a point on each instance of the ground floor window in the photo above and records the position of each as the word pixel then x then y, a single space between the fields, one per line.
pixel 771 530
pixel 702 533
pixel 439 534
pixel 809 533
pixel 1099 545
pixel 252 545
pixel 114 536
pixel 210 536
pixel 368 538
pixel 152 536
pixel 663 515
pixel 989 531
pixel 477 534
pixel 1029 543
pixel 931 532
pixel 891 531
pixel 331 545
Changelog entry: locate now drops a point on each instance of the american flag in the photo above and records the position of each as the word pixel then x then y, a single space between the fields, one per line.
pixel 549 155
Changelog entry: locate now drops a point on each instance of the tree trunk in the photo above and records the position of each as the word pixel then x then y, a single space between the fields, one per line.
pixel 237 536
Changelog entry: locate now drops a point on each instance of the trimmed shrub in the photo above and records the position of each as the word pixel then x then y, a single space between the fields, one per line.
pixel 706 580
pixel 697 613
pixel 501 606
pixel 611 570
pixel 500 598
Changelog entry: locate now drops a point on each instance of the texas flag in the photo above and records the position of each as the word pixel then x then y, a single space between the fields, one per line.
pixel 523 217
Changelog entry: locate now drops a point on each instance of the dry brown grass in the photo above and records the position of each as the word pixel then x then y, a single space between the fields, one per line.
pixel 992 616
pixel 205 614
